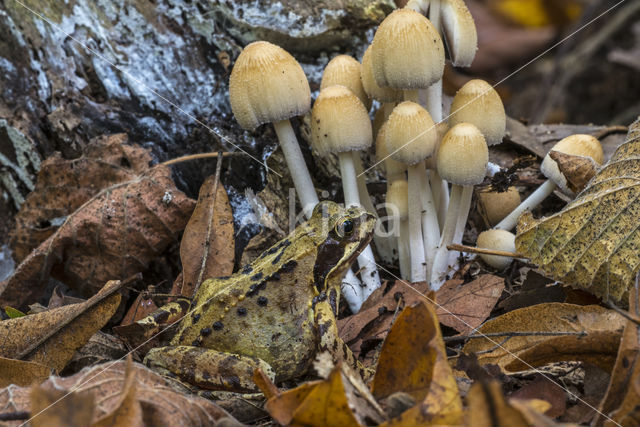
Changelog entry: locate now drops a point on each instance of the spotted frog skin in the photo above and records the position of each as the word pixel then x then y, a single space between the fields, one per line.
pixel 275 313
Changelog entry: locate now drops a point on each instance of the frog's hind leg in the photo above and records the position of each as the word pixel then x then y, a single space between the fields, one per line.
pixel 331 342
pixel 208 369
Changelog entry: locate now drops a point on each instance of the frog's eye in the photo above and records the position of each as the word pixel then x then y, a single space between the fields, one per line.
pixel 344 227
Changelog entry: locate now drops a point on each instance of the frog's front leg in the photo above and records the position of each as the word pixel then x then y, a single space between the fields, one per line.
pixel 330 341
pixel 208 369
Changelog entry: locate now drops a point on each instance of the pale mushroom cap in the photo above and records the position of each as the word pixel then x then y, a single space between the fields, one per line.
pixel 397 195
pixel 460 31
pixel 410 135
pixel 345 70
pixel 339 121
pixel 379 93
pixel 577 145
pixel 463 155
pixel 479 104
pixel 267 85
pixel 441 129
pixel 407 51
pixel 394 169
pixel 501 240
pixel 495 206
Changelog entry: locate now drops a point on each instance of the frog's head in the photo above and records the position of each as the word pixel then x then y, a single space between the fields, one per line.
pixel 340 234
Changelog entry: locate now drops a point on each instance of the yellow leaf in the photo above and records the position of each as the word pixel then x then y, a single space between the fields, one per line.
pixel 594 242
pixel 537 13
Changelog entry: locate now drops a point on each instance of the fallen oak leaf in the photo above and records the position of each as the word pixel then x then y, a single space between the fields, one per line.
pixel 113 235
pixel 52 337
pixel 592 244
pixel 578 170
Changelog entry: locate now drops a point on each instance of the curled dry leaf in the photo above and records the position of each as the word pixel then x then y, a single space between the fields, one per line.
pixel 413 360
pixel 52 337
pixel 208 245
pixel 342 399
pixel 115 234
pixel 594 242
pixel 578 170
pixel 65 185
pixel 114 389
pixel 549 332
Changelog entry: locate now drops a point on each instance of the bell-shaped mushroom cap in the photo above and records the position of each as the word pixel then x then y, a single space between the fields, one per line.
pixel 479 104
pixel 407 51
pixel 394 169
pixel 497 205
pixel 339 121
pixel 397 195
pixel 345 70
pixel 460 31
pixel 411 135
pixel 500 240
pixel 577 145
pixel 267 85
pixel 379 93
pixel 463 155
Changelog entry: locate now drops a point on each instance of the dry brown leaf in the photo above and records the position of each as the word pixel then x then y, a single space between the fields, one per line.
pixel 64 185
pixel 464 306
pixel 208 245
pixel 22 373
pixel 342 399
pixel 623 393
pixel 543 389
pixel 127 411
pixel 113 235
pixel 594 242
pixel 413 360
pixel 594 328
pixel 100 348
pixel 52 337
pixel 487 407
pixel 578 170
pixel 54 408
pixel 161 404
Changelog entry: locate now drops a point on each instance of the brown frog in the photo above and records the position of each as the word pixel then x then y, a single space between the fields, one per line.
pixel 275 313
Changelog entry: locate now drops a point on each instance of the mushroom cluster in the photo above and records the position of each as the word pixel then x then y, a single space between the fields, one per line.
pixel 422 151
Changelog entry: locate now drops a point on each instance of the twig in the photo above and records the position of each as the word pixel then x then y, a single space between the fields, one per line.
pixel 515 334
pixel 15 416
pixel 475 250
pixel 609 130
pixel 199 156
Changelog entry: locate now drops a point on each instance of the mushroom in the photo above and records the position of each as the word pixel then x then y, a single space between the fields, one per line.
pixel 385 95
pixel 462 160
pixel 577 145
pixel 410 138
pixel 501 240
pixel 345 70
pixel 397 199
pixel 340 124
pixel 495 205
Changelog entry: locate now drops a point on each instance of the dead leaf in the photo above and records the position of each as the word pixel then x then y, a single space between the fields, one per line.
pixel 207 248
pixel 488 407
pixel 57 408
pixel 464 307
pixel 578 170
pixel 21 372
pixel 64 185
pixel 113 235
pixel 52 337
pixel 592 244
pixel 127 410
pixel 413 360
pixel 342 399
pixel 623 393
pixel 141 307
pixel 161 404
pixel 595 330
pixel 543 389
pixel 100 348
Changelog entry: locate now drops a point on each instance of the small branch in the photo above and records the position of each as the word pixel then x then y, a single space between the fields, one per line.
pixel 484 251
pixel 15 416
pixel 199 156
pixel 602 133
pixel 514 334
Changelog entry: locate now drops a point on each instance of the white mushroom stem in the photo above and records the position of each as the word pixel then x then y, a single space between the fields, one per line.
pixel 440 190
pixel 404 252
pixel 309 199
pixel 461 222
pixel 416 245
pixel 430 227
pixel 534 199
pixel 434 92
pixel 441 259
pixel 369 271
